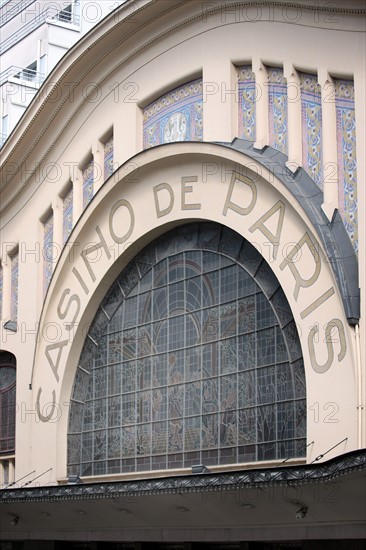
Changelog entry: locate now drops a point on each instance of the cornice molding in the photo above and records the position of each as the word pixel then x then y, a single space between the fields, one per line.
pixel 203 483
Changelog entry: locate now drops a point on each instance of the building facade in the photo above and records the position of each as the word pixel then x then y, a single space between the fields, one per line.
pixel 182 265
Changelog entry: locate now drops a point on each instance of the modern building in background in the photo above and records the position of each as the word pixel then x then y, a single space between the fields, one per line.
pixel 35 34
pixel 182 276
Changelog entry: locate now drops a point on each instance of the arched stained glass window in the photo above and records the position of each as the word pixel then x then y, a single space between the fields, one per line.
pixel 7 402
pixel 193 357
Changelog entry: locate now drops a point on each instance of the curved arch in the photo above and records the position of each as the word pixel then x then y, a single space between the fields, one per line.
pixel 334 237
pixel 305 193
pixel 79 283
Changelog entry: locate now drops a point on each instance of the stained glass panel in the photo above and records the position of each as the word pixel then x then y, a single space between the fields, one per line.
pixel 193 366
pixel 7 402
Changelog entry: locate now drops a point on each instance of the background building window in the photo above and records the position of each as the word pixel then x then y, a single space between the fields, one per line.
pixel 190 359
pixel 4 129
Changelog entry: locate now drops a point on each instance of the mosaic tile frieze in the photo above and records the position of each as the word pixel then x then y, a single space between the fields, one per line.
pixel 67 213
pixel 108 158
pixel 346 155
pixel 88 183
pixel 175 116
pixel 277 110
pixel 311 120
pixel 47 252
pixel 247 100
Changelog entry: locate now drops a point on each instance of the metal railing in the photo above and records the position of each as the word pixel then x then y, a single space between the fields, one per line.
pixel 47 16
pixel 23 74
pixel 64 16
pixel 12 8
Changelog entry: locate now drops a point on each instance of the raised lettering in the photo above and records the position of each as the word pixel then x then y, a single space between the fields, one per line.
pixel 55 364
pixel 94 248
pixel 123 238
pixel 188 189
pixel 243 211
pixel 38 407
pixel 333 324
pixel 62 314
pixel 81 280
pixel 289 261
pixel 274 239
pixel 318 302
pixel 156 189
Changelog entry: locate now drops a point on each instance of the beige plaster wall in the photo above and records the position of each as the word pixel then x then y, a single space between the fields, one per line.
pixel 183 43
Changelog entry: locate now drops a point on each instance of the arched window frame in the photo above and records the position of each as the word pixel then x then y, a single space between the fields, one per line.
pixel 208 237
pixel 7 361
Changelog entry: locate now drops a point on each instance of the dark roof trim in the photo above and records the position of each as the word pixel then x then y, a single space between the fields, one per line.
pixel 333 235
pixel 208 482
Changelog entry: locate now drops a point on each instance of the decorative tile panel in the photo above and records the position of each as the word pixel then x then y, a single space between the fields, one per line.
pixel 108 158
pixel 67 213
pixel 47 252
pixel 311 118
pixel 277 97
pixel 175 116
pixel 347 162
pixel 88 183
pixel 14 286
pixel 247 98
